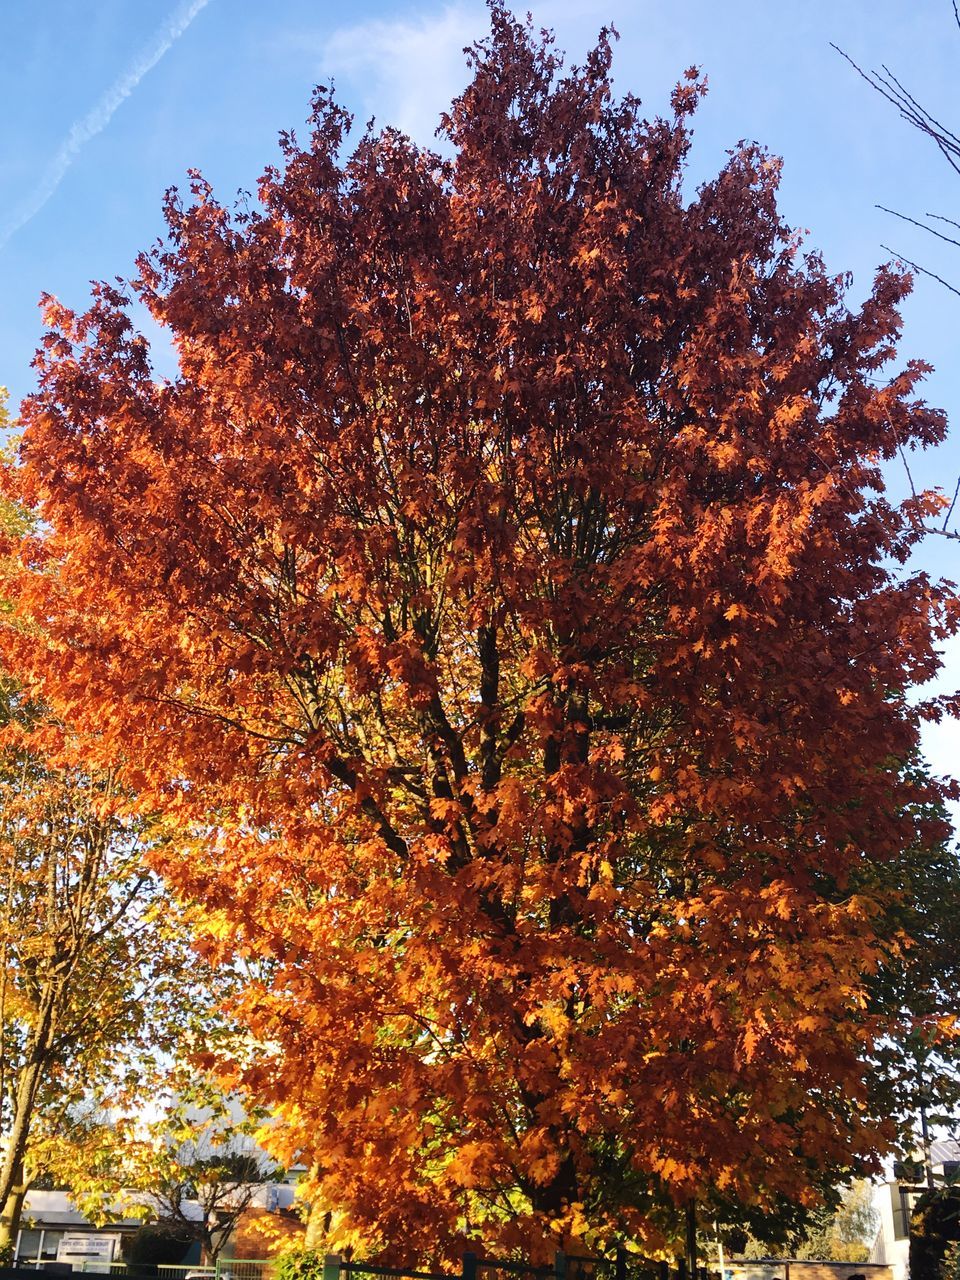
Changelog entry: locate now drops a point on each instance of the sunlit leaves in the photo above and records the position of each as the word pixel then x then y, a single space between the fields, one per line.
pixel 502 600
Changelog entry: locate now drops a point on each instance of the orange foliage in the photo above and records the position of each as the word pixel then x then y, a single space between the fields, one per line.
pixel 505 596
pixel 266 1233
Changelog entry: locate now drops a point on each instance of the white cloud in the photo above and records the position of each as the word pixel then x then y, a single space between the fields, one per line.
pixel 99 116
pixel 406 71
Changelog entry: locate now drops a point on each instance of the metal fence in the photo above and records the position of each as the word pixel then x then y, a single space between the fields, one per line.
pixel 226 1269
pixel 501 1269
pixel 619 1266
pixel 245 1268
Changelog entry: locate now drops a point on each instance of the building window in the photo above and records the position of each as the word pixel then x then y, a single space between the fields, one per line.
pixel 50 1241
pixel 28 1246
pixel 901 1220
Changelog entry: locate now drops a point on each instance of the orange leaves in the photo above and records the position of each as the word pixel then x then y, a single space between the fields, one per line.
pixel 502 605
pixel 471 1167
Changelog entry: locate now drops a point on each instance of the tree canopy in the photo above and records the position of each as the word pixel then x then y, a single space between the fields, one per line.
pixel 504 597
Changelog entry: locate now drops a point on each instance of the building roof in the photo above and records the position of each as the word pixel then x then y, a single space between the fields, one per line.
pixel 56 1209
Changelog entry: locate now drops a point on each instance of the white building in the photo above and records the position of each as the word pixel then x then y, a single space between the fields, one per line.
pixel 50 1216
pixel 894 1202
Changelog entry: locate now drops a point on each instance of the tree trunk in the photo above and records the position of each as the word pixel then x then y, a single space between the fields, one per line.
pixel 318 1222
pixel 28 1083
pixel 11 1171
pixel 10 1216
pixel 555 1197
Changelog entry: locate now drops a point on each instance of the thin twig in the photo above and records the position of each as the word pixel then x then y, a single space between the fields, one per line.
pixel 922 225
pixel 940 218
pixel 906 467
pixel 946 518
pixel 894 92
pixel 916 113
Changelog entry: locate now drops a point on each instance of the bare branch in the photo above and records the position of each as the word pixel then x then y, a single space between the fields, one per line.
pixel 906 467
pixel 893 91
pixel 952 534
pixel 922 225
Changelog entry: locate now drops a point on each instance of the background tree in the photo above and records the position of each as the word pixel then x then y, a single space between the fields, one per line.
pixel 934 1226
pixel 505 594
pixel 845 1234
pixel 159 1244
pixel 917 1071
pixel 842 1229
pixel 950 1266
pixel 893 91
pixel 887 84
pixel 194 1170
pixel 93 959
pixel 920 1070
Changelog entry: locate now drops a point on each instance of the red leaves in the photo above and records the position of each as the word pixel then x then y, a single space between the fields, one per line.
pixel 504 604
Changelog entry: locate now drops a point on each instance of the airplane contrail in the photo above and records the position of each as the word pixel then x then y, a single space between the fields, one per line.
pixel 100 115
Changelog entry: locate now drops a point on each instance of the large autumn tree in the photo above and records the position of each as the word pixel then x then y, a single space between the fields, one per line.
pixel 505 592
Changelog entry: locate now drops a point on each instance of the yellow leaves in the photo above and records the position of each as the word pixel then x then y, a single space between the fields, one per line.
pixel 726 455
pixel 813 1022
pixel 790 411
pixel 38 946
pixel 726 1176
pixel 539 1154
pixel 446 810
pixel 586 255
pixel 552 1018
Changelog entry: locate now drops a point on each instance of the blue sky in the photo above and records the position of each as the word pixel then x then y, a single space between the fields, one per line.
pixel 115 99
